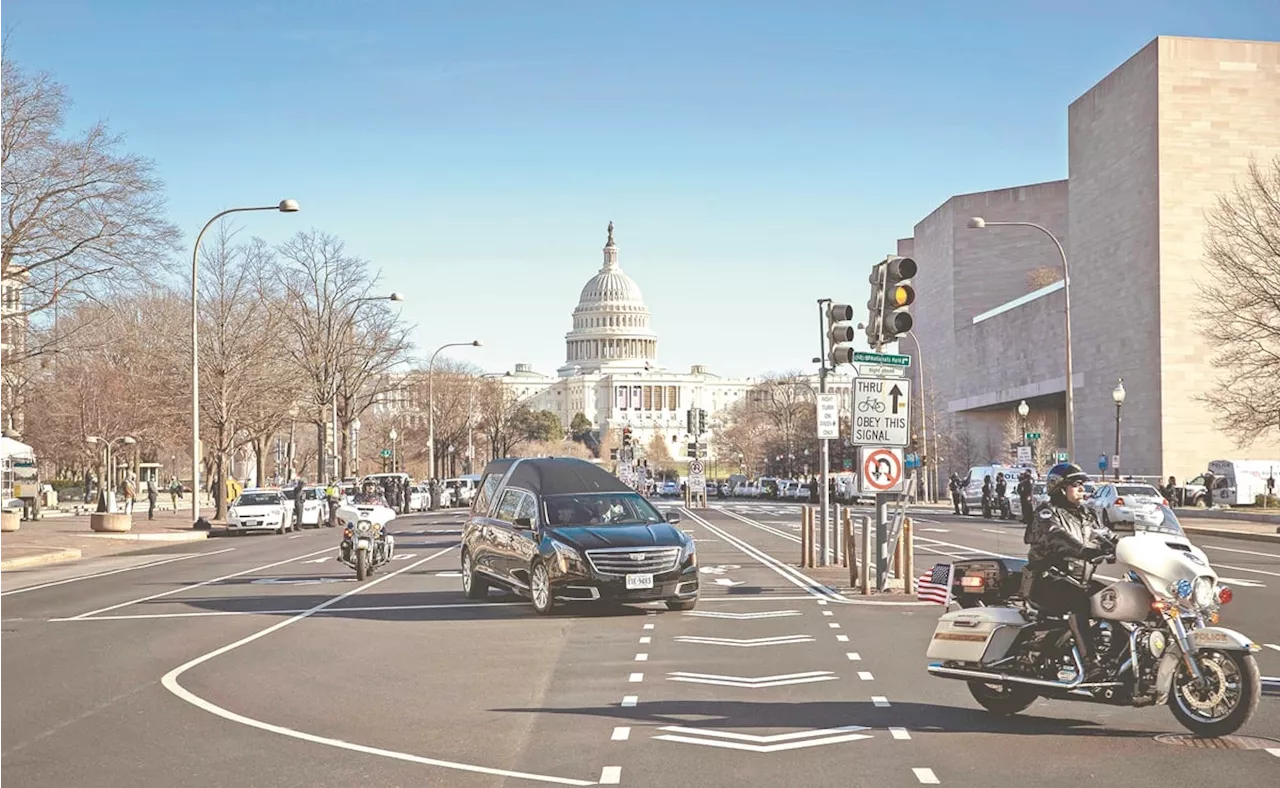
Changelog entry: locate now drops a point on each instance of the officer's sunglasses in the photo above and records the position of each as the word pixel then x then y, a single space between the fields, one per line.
pixel 1076 484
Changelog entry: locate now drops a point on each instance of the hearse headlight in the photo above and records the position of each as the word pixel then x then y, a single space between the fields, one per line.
pixel 568 558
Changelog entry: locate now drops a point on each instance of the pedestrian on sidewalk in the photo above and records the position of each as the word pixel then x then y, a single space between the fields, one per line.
pixel 152 495
pixel 130 493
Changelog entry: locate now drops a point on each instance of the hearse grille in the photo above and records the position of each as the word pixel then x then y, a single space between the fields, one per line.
pixel 633 561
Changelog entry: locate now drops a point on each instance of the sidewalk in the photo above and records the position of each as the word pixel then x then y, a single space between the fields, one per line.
pixel 68 537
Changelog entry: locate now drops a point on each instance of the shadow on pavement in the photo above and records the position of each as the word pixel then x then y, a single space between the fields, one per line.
pixel 915 717
pixel 416 606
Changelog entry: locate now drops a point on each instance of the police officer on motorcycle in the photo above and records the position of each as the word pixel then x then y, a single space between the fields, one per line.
pixel 1064 536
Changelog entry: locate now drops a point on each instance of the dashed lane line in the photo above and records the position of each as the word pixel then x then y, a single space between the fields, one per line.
pixel 629 701
pixel 636 678
pixel 900 733
pixel 926 776
pixel 880 701
pixel 621 733
pixel 853 656
pixel 611 775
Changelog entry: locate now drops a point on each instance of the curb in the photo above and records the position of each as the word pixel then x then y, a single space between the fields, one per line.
pixel 54 556
pixel 194 536
pixel 1246 536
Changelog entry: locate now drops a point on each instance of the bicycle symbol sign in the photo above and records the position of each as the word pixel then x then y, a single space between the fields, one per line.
pixel 881 411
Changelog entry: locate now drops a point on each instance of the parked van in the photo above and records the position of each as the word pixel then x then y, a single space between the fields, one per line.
pixel 1240 482
pixel 971 494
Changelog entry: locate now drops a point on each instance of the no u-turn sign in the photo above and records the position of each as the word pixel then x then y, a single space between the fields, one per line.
pixel 879 470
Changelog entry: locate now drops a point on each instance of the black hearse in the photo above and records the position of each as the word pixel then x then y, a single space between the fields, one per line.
pixel 561 529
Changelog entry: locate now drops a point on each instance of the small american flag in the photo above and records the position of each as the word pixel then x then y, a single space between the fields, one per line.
pixel 935 585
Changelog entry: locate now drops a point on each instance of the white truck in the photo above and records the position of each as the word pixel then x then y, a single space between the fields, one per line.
pixel 1237 482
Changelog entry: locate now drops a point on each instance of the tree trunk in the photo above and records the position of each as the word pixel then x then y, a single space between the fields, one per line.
pixel 321 472
pixel 259 461
pixel 219 487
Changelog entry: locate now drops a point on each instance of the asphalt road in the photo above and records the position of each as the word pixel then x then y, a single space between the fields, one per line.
pixel 258 661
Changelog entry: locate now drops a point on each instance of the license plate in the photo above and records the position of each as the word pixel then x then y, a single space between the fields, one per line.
pixel 639 581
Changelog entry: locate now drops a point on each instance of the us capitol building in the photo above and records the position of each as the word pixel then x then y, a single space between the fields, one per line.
pixel 611 372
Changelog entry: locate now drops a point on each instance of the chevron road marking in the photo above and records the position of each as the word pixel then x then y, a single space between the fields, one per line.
pixel 744 616
pixel 780 640
pixel 759 682
pixel 724 581
pixel 776 743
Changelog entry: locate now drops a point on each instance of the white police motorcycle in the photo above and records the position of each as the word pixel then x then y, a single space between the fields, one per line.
pixel 365 543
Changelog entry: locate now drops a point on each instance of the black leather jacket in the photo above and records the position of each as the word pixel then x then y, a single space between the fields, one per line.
pixel 1065 537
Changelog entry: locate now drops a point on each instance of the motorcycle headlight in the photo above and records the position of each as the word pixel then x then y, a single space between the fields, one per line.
pixel 364 525
pixel 1202 594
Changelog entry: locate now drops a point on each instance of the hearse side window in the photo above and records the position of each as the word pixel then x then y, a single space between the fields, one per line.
pixel 509 506
pixel 528 508
pixel 485 494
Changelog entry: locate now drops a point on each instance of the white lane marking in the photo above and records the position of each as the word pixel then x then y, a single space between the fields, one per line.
pixel 1238 581
pixel 833 625
pixel 645 640
pixel 842 638
pixel 170 682
pixel 1238 550
pixel 1273 750
pixel 745 616
pixel 328 558
pixel 937 530
pixel 53 583
pixel 822 601
pixel 926 776
pixel 753 682
pixel 642 657
pixel 629 701
pixel 724 581
pixel 299 536
pixel 1247 569
pixel 995 530
pixel 611 775
pixel 1271 646
pixel 292 611
pixel 621 733
pixel 880 700
pixel 966 548
pixel 853 656
pixel 793 576
pixel 650 626
pixel 865 675
pixel 901 733
pixel 827 613
pixel 193 586
pixel 636 678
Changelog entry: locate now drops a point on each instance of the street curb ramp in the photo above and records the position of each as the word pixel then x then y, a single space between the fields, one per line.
pixel 47 555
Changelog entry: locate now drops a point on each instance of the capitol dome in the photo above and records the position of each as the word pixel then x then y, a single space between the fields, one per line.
pixel 610 324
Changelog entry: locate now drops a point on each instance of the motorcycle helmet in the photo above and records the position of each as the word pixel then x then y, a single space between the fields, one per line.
pixel 1061 475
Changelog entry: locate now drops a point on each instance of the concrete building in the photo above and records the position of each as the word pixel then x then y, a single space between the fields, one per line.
pixel 1151 148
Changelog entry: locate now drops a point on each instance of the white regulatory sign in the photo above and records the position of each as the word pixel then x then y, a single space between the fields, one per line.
pixel 828 416
pixel 695 467
pixel 881 412
pixel 880 470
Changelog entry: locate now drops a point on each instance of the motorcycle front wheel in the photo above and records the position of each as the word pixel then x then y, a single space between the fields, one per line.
pixel 362 565
pixel 1224 700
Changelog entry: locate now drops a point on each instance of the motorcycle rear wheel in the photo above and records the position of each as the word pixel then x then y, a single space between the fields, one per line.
pixel 1232 709
pixel 1002 700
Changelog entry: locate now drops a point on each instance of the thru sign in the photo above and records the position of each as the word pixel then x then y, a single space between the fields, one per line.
pixel 881 412
pixel 828 416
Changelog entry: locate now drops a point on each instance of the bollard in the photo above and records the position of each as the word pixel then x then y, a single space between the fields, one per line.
pixel 805 514
pixel 850 550
pixel 837 533
pixel 867 554
pixel 908 557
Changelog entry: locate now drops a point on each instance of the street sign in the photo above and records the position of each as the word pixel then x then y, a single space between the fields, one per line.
pixel 385 454
pixel 1024 455
pixel 697 481
pixel 881 411
pixel 884 359
pixel 695 468
pixel 1102 462
pixel 1032 436
pixel 1061 456
pixel 912 461
pixel 880 470
pixel 828 416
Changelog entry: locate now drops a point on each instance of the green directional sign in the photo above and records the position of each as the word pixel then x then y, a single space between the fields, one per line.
pixel 1033 436
pixel 887 359
pixel 385 454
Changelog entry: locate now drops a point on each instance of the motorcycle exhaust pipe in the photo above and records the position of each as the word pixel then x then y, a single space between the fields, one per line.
pixel 1001 678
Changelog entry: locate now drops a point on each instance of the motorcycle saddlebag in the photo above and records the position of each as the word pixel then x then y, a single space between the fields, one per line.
pixel 979 635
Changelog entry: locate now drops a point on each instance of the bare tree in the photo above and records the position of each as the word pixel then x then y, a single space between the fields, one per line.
pixel 1043 276
pixel 79 216
pixel 342 340
pixel 500 418
pixel 1240 305
pixel 240 356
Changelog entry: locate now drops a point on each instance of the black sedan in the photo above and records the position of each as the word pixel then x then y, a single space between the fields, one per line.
pixel 561 529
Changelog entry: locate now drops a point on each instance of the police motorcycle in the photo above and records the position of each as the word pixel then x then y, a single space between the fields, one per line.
pixel 1154 630
pixel 365 543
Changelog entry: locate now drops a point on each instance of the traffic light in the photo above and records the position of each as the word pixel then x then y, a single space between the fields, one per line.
pixel 626 443
pixel 691 421
pixel 888 315
pixel 701 422
pixel 839 332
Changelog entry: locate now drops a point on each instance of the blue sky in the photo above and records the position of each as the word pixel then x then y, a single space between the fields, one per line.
pixel 754 156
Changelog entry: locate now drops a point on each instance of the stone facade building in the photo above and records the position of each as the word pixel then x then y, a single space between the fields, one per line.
pixel 1151 148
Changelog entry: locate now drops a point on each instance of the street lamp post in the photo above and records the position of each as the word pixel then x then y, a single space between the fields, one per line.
pixel 355 447
pixel 924 422
pixel 1023 410
pixel 347 325
pixel 431 404
pixel 284 206
pixel 1117 395
pixel 978 223
pixel 393 435
pixel 107 492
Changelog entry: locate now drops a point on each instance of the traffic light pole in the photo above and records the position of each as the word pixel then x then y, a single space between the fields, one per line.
pixel 824 466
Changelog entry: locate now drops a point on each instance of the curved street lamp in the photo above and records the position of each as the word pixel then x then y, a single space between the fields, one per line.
pixel 284 206
pixel 431 405
pixel 1117 396
pixel 978 223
